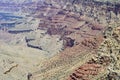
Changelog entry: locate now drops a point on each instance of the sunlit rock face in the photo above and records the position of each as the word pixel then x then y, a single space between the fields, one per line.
pixel 59 40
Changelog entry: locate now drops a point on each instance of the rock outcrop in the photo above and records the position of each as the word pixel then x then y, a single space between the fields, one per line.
pixel 41 40
pixel 86 72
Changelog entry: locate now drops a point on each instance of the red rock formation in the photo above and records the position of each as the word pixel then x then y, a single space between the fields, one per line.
pixel 79 39
pixel 85 72
pixel 55 31
pixel 91 43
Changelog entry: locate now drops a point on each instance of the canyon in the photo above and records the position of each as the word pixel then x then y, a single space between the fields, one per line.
pixel 60 40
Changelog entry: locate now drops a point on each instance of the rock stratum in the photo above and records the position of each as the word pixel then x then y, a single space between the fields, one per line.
pixel 61 40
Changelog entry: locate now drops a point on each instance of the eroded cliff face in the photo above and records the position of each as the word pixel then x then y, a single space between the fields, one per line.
pixel 76 39
pixel 105 65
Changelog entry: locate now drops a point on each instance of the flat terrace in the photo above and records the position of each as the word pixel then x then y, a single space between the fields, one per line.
pixel 61 19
